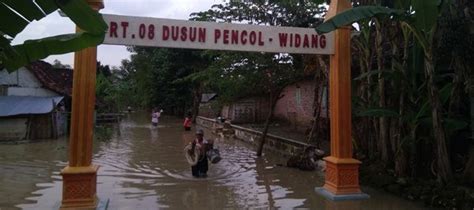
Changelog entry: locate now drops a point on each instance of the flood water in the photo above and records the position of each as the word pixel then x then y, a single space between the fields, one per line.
pixel 144 168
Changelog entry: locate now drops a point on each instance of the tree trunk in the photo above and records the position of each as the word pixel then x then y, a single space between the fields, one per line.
pixel 273 100
pixel 197 95
pixel 413 160
pixel 316 115
pixel 444 171
pixel 469 169
pixel 370 125
pixel 383 121
pixel 320 80
pixel 401 165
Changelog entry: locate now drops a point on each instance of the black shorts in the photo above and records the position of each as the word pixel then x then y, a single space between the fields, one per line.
pixel 154 124
pixel 187 128
pixel 200 169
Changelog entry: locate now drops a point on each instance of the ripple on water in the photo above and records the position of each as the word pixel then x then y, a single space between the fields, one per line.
pixel 144 168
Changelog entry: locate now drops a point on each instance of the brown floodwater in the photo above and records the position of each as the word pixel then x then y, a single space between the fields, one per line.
pixel 144 168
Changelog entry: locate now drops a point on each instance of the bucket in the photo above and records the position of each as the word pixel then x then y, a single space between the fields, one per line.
pixel 214 156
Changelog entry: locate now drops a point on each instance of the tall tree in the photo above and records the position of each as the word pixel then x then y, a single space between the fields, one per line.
pixel 275 68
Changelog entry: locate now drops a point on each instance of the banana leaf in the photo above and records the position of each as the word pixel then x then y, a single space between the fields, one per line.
pixel 377 112
pixel 444 94
pixel 372 73
pixel 354 15
pixel 426 14
pixel 449 123
pixel 15 16
pixel 57 44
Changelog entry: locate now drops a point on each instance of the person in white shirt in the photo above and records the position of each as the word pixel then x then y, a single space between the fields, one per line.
pixel 155 116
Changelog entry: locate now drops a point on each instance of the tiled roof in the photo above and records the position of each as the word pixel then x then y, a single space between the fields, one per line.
pixel 57 80
pixel 206 97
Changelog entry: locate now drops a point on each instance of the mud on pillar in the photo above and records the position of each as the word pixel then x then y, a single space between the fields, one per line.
pixel 342 171
pixel 80 176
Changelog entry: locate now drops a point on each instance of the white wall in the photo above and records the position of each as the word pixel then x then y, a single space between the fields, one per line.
pixel 21 77
pixel 23 83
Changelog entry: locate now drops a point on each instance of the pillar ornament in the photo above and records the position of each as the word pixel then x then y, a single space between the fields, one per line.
pixel 80 176
pixel 79 188
pixel 342 171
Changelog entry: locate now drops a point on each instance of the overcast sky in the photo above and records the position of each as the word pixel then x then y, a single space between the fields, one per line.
pixel 108 54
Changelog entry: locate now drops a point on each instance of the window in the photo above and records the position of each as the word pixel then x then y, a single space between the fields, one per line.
pixel 298 97
pixel 3 90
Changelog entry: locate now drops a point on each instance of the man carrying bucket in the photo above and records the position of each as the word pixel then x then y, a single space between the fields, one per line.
pixel 197 154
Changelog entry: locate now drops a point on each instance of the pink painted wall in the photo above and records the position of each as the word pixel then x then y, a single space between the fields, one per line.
pixel 296 106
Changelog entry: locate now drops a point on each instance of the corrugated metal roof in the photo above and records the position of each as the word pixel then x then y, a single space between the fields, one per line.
pixel 206 97
pixel 17 105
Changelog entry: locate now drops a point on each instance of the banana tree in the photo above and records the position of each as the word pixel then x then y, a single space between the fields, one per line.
pixel 419 17
pixel 16 15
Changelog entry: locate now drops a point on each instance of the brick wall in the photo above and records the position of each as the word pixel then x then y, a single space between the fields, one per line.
pixel 296 106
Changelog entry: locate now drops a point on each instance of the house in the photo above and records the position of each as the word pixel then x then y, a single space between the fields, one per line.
pixel 33 102
pixel 206 108
pixel 30 117
pixel 296 107
pixel 247 110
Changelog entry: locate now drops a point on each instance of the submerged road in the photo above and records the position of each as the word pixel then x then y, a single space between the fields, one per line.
pixel 144 168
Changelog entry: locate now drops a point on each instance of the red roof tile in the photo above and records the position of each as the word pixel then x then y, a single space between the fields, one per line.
pixel 57 80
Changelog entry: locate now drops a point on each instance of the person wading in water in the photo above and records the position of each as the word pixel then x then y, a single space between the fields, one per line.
pixel 187 122
pixel 155 116
pixel 202 146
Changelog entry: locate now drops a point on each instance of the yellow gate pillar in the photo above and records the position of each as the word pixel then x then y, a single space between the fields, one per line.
pixel 342 171
pixel 80 176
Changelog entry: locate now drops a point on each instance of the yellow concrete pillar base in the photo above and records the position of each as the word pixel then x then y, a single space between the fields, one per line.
pixel 79 187
pixel 342 176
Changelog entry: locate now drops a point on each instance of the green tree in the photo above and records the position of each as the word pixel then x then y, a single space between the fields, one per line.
pixel 417 22
pixel 273 71
pixel 156 77
pixel 59 65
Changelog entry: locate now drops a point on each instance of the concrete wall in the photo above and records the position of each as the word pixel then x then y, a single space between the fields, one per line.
pixel 273 143
pixel 208 109
pixel 296 106
pixel 23 83
pixel 248 110
pixel 13 129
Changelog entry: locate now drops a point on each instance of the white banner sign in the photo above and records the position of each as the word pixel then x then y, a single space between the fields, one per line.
pixel 157 32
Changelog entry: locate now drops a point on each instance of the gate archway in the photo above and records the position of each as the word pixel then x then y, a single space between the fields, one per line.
pixel 342 171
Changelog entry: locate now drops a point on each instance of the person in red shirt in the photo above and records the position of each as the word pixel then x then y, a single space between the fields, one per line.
pixel 187 122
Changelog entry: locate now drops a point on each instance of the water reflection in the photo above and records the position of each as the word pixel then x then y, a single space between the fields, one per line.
pixel 144 168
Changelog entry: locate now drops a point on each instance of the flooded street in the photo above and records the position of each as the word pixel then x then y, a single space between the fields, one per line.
pixel 144 168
